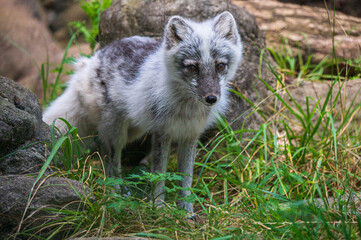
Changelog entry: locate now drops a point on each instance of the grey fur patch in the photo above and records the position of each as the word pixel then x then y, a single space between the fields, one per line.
pixel 126 56
pixel 223 53
pixel 188 51
pixel 103 82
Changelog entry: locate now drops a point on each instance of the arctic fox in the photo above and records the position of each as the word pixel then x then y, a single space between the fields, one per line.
pixel 173 90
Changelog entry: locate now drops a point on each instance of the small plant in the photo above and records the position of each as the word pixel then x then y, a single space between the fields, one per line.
pixel 93 9
pixel 143 184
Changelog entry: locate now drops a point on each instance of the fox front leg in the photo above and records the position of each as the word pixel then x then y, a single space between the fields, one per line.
pixel 161 145
pixel 186 158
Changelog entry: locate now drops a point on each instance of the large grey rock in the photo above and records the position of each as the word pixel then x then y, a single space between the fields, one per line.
pixel 53 192
pixel 22 132
pixel 148 18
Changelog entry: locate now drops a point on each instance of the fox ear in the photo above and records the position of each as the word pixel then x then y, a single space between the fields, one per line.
pixel 176 31
pixel 226 26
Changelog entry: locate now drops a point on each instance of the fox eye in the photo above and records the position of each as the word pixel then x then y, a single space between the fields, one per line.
pixel 192 68
pixel 221 67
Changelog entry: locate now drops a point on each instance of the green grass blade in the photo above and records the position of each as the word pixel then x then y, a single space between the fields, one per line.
pixel 334 134
pixel 53 92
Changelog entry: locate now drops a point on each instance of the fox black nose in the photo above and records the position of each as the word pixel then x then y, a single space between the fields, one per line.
pixel 211 99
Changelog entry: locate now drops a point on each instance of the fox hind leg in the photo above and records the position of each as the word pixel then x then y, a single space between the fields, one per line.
pixel 114 137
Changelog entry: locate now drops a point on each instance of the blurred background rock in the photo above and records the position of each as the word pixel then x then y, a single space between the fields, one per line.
pixel 33 32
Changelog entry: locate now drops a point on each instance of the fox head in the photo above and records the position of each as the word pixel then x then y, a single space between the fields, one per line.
pixel 203 56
